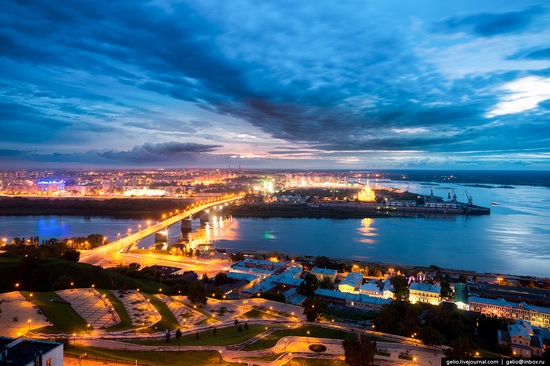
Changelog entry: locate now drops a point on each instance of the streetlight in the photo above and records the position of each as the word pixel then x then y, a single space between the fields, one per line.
pixel 308 337
pixel 285 344
pixel 29 321
pixel 414 361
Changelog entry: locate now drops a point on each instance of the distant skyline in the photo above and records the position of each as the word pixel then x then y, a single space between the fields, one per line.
pixel 279 84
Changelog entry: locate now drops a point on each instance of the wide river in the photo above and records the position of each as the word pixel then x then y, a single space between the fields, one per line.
pixel 514 239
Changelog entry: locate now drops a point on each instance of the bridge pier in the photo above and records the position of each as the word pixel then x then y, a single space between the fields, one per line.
pixel 204 218
pixel 186 225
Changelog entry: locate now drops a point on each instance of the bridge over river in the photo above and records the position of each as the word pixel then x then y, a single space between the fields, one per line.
pixel 109 251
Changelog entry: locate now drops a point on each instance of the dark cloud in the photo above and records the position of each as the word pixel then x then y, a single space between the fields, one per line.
pixel 329 76
pixel 163 154
pixel 157 152
pixel 490 24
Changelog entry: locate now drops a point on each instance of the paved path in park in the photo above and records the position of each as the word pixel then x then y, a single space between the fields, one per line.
pixel 95 309
pixel 290 347
pixel 15 313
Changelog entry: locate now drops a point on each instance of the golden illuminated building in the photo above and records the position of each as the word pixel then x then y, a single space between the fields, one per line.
pixel 366 194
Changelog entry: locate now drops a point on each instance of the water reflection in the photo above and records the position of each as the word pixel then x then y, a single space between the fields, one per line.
pixel 367 231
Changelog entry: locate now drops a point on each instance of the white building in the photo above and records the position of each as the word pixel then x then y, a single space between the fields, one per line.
pixel 358 301
pixel 536 315
pixel 351 283
pixel 321 273
pixel 522 339
pixel 424 292
pixel 371 288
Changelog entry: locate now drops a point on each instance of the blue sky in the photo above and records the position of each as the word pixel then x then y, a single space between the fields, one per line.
pixel 283 84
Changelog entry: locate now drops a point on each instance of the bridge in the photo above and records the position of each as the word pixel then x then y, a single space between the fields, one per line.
pixel 96 255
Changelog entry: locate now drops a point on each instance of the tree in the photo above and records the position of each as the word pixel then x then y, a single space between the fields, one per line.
pixel 431 337
pixel 197 293
pixel 412 319
pixel 359 351
pixel 446 291
pixel 215 330
pixel 62 283
pixel 399 284
pixel 377 272
pixel 236 257
pixel 309 285
pixel 71 254
pixel 167 336
pixel 460 348
pixel 95 240
pixel 327 283
pixel 313 308
pixel 463 278
pixel 221 279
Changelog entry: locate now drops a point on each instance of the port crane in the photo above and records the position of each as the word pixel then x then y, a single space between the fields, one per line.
pixel 453 196
pixel 469 197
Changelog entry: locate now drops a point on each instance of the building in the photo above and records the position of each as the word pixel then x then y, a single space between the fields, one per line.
pixel 461 295
pixel 371 288
pixel 424 292
pixel 321 273
pixel 522 339
pixel 29 352
pixel 357 301
pixel 351 283
pixel 388 292
pixel 536 315
pixel 260 268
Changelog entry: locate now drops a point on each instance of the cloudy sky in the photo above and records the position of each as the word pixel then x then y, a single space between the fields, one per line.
pixel 296 84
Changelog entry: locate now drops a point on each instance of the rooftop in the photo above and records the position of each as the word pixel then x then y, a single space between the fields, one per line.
pixel 324 271
pixel 21 351
pixel 426 287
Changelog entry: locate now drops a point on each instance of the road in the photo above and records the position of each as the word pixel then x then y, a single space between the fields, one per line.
pixel 109 253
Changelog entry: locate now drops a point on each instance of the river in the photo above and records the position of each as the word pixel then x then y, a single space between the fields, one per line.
pixel 514 239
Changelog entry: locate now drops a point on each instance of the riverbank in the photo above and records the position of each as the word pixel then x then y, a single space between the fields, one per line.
pixel 137 208
pixel 299 210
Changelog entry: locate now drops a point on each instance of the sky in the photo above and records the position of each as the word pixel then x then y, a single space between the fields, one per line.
pixel 340 84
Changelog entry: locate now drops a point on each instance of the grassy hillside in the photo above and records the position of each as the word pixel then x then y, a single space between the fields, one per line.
pixel 44 275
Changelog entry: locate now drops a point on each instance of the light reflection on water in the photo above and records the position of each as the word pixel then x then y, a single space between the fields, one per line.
pixel 515 238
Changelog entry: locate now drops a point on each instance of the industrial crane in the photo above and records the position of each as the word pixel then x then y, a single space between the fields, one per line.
pixel 470 199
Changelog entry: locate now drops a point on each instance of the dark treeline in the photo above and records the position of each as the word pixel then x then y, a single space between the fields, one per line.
pixel 119 207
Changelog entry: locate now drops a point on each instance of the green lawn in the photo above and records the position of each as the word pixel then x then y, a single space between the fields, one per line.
pixel 224 336
pixel 256 314
pixel 168 320
pixel 314 331
pixel 125 321
pixel 61 314
pixel 209 321
pixel 198 358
